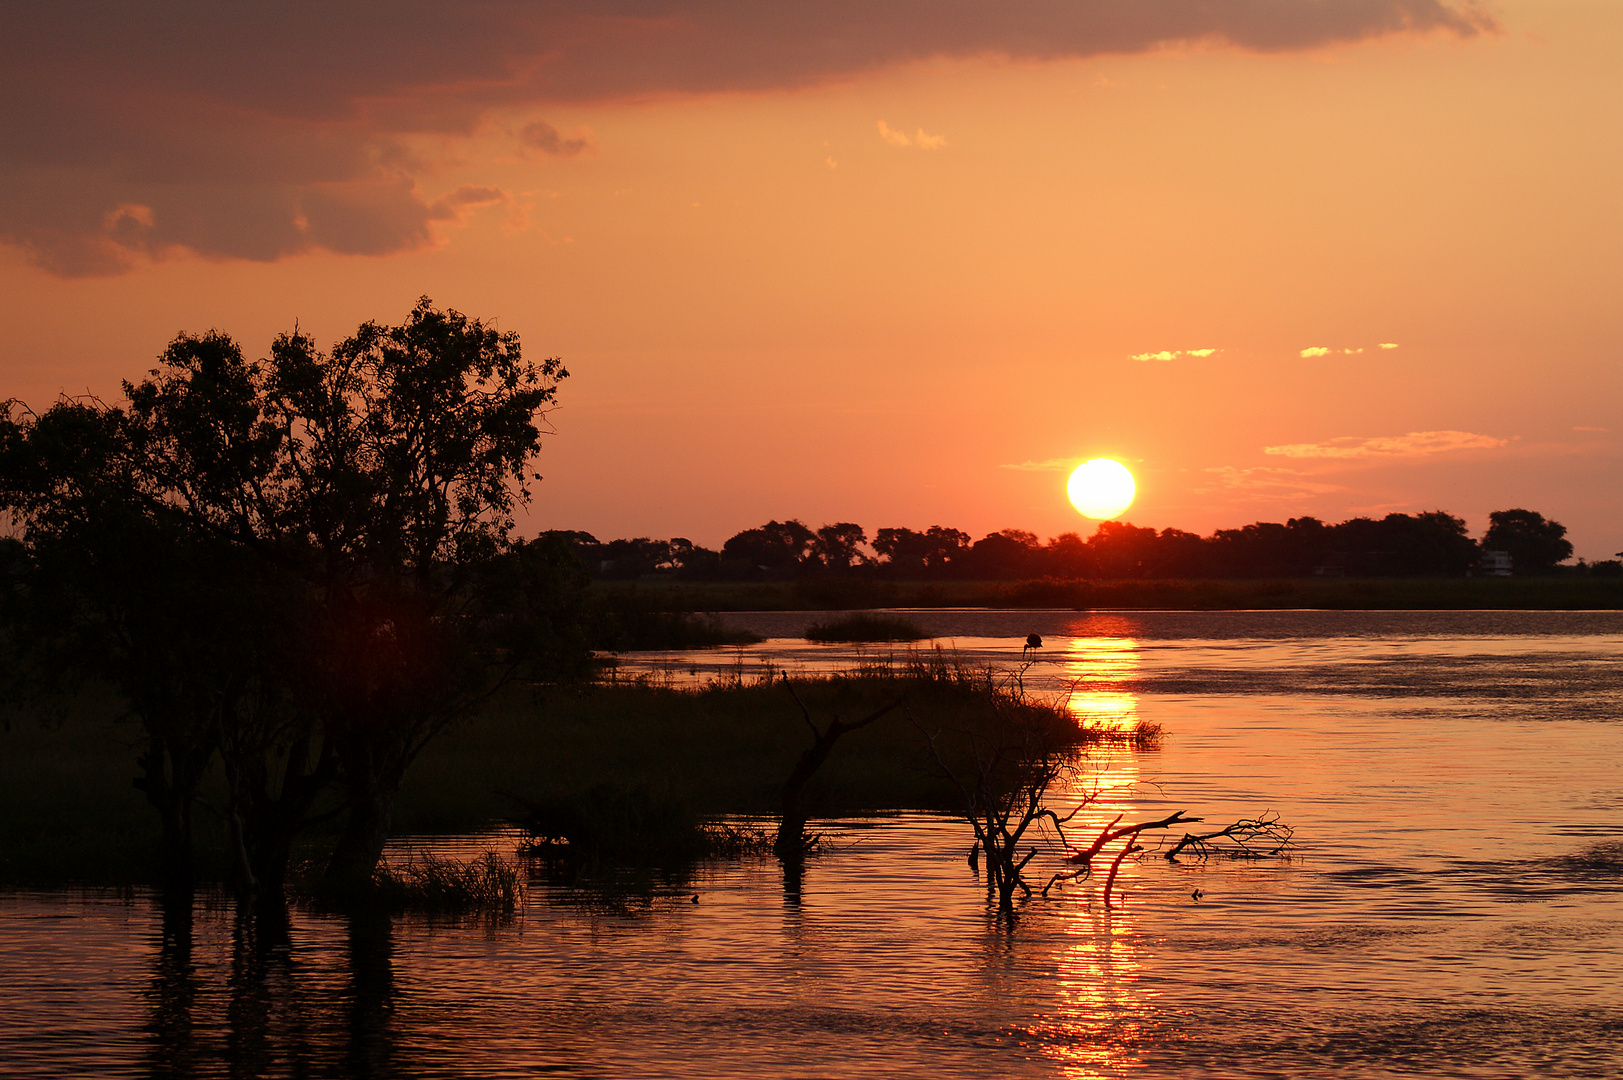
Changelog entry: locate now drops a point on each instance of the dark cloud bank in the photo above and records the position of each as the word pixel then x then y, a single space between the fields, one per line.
pixel 258 129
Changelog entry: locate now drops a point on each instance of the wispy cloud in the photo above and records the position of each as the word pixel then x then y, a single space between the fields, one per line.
pixel 1315 350
pixel 1387 345
pixel 1325 350
pixel 452 206
pixel 1587 428
pixel 1412 444
pixel 918 141
pixel 1051 465
pixel 1268 480
pixel 542 136
pixel 1172 354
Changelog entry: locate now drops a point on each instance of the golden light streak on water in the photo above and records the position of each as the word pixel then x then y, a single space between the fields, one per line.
pixel 1092 664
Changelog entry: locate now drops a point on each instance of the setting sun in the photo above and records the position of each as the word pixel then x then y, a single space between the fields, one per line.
pixel 1101 488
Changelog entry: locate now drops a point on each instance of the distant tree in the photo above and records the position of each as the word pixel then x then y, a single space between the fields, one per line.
pixel 1002 556
pixel 1268 549
pixel 839 547
pixel 780 546
pixel 1122 550
pixel 920 554
pixel 1433 542
pixel 694 563
pixel 1179 554
pixel 1533 542
pixel 1068 556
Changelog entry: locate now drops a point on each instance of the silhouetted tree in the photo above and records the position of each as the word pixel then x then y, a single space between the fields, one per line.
pixel 1533 542
pixel 780 546
pixel 1068 556
pixel 1121 550
pixel 838 547
pixel 410 449
pixel 335 532
pixel 1009 553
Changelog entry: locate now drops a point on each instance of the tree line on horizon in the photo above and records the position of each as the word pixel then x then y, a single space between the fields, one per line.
pixel 1431 543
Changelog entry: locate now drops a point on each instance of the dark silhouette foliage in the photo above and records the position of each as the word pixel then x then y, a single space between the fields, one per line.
pixel 304 563
pixel 1534 543
pixel 1430 543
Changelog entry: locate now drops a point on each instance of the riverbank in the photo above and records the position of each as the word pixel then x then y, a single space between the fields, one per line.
pixel 70 814
pixel 1555 593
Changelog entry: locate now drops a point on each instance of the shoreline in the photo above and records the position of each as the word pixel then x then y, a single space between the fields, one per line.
pixel 1552 593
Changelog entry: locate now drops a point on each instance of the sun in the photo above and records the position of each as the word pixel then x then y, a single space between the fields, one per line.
pixel 1101 488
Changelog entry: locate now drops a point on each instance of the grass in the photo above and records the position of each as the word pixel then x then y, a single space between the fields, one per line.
pixel 423 882
pixel 865 626
pixel 69 809
pixel 725 749
pixel 638 764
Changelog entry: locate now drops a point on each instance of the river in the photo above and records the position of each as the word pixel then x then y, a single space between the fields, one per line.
pixel 1453 905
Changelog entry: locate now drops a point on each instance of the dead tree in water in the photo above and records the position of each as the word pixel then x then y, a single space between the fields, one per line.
pixel 793 842
pixel 1014 766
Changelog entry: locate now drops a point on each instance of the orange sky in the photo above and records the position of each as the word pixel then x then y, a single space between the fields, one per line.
pixel 907 285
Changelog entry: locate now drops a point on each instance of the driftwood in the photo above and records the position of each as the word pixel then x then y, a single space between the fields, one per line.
pixel 1253 838
pixel 1109 834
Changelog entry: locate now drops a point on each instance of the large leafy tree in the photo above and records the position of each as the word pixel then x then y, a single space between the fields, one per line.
pixel 364 501
pixel 1534 543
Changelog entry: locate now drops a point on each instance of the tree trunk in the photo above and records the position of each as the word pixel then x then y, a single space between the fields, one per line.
pixel 170 775
pixel 360 846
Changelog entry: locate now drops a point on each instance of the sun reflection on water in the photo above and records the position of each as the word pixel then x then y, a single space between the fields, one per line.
pixel 1093 668
pixel 1101 1007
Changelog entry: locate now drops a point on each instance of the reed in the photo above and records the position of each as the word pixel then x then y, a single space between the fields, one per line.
pixel 423 882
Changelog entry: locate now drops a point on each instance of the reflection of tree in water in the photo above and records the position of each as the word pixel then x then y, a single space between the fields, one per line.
pixel 273 1016
pixel 371 994
pixel 172 995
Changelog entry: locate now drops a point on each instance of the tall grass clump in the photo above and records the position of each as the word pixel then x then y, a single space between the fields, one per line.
pixel 488 884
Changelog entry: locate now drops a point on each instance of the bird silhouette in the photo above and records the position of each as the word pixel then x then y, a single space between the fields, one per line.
pixel 1033 641
pixel 1197 894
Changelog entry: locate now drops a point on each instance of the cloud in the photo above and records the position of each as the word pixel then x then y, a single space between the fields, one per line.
pixel 920 141
pixel 1595 429
pixel 262 128
pixel 1051 465
pixel 451 206
pixel 542 136
pixel 1387 345
pixel 1413 444
pixel 892 136
pixel 1172 354
pixel 1264 480
pixel 1323 350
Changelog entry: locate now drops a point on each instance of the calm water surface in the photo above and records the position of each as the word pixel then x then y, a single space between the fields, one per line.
pixel 1455 907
